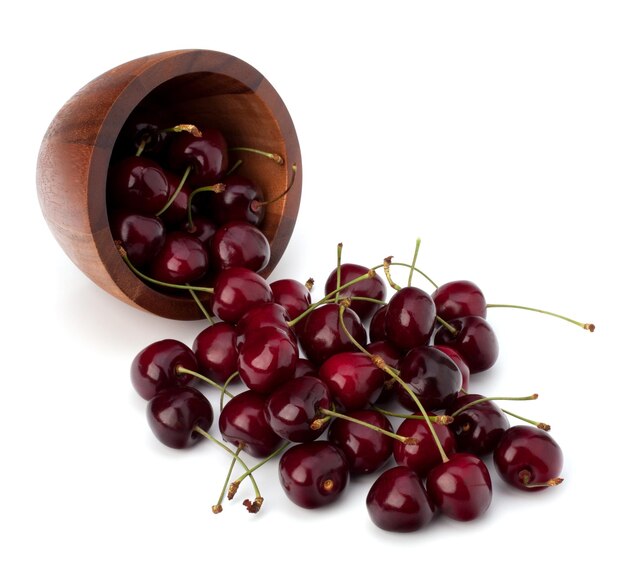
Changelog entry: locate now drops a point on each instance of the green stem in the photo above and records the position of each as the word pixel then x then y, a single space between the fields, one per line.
pixel 339 249
pixel 217 507
pixel 141 146
pixel 447 325
pixel 256 204
pixel 437 419
pixel 181 369
pixel 587 326
pixel 358 298
pixel 417 248
pixel 235 484
pixel 379 266
pixel 484 399
pixel 175 194
pixel 403 439
pixel 226 384
pixel 200 305
pixel 234 167
pixel 272 156
pixel 541 425
pixel 215 188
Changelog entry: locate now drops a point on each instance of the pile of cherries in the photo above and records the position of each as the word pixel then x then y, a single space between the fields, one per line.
pixel 320 378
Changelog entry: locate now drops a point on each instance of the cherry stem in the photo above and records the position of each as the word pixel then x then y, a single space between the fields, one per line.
pixel 525 477
pixel 226 383
pixel 443 419
pixel 181 369
pixel 187 127
pixel 447 325
pixel 272 156
pixel 255 205
pixel 587 326
pixel 143 276
pixel 386 264
pixel 309 284
pixel 217 507
pixel 339 250
pixel 358 298
pixel 142 145
pixel 484 399
pixel 235 484
pixel 215 188
pixel 406 266
pixel 540 425
pixel 200 305
pixel 234 167
pixel 417 249
pixel 176 192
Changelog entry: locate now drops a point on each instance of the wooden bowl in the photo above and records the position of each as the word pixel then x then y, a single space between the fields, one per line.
pixel 188 86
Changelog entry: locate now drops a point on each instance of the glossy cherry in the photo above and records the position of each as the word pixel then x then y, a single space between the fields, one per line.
pixel 182 259
pixel 242 422
pixel 313 474
pixel 460 298
pixel 174 413
pixel 292 408
pixel 240 244
pixel 474 340
pixel 203 229
pixel 365 449
pixel 391 356
pixel 397 501
pixel 528 458
pixel 410 318
pixel 461 487
pixel 377 325
pixel 176 214
pixel 154 368
pixel 236 202
pixel 460 363
pixel 142 237
pixel 236 291
pixel 263 315
pixel 293 295
pixel 216 350
pixel 373 288
pixel 305 367
pixel 207 156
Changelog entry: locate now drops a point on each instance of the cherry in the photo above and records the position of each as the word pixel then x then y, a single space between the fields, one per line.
pixel 144 132
pixel 432 376
pixel 459 299
pixel 354 381
pixel 478 428
pixel 461 487
pixel 203 229
pixel 422 455
pixel 154 368
pixel 397 501
pixel 242 422
pixel 313 474
pixel 391 356
pixel 410 318
pixel 473 339
pixel 216 351
pixel 460 363
pixel 207 156
pixel 322 335
pixel 373 287
pixel 263 315
pixel 528 458
pixel 173 414
pixel 294 296
pixel 142 237
pixel 366 450
pixel 267 358
pixel 236 291
pixel 236 202
pixel 240 244
pixel 377 325
pixel 176 212
pixel 182 259
pixel 305 367
pixel 292 408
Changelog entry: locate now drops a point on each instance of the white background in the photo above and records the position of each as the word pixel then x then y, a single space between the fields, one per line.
pixel 495 131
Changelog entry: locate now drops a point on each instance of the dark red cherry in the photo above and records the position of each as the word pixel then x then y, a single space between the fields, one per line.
pixel 293 295
pixel 377 325
pixel 461 487
pixel 392 358
pixel 459 299
pixel 313 474
pixel 203 229
pixel 260 316
pixel 423 455
pixel 267 359
pixel 216 351
pixel 474 340
pixel 141 237
pixel 528 458
pixel 154 368
pixel 431 375
pixel 460 363
pixel 373 288
pixel 174 413
pixel 236 291
pixel 240 244
pixel 354 381
pixel 479 428
pixel 138 184
pixel 410 318
pixel 236 202
pixel 365 449
pixel 292 408
pixel 397 501
pixel 176 214
pixel 207 156
pixel 322 336
pixel 182 259
pixel 242 422
pixel 305 367
pixel 143 129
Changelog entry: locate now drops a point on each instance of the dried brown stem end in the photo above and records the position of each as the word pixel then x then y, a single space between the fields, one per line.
pixel 232 489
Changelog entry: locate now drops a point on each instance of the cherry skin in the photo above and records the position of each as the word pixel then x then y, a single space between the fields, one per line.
pixel 182 259
pixel 397 501
pixel 313 474
pixel 391 357
pixel 373 287
pixel 459 299
pixel 154 368
pixel 240 244
pixel 216 350
pixel 354 381
pixel 460 363
pixel 203 229
pixel 461 487
pixel 260 316
pixel 475 341
pixel 322 336
pixel 410 318
pixel 305 367
pixel 175 216
pixel 174 413
pixel 292 408
pixel 423 455
pixel 294 296
pixel 141 237
pixel 236 291
pixel 377 325
pixel 236 202
pixel 242 422
pixel 143 128
pixel 528 458
pixel 267 359
pixel 479 428
pixel 366 450
pixel 207 156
